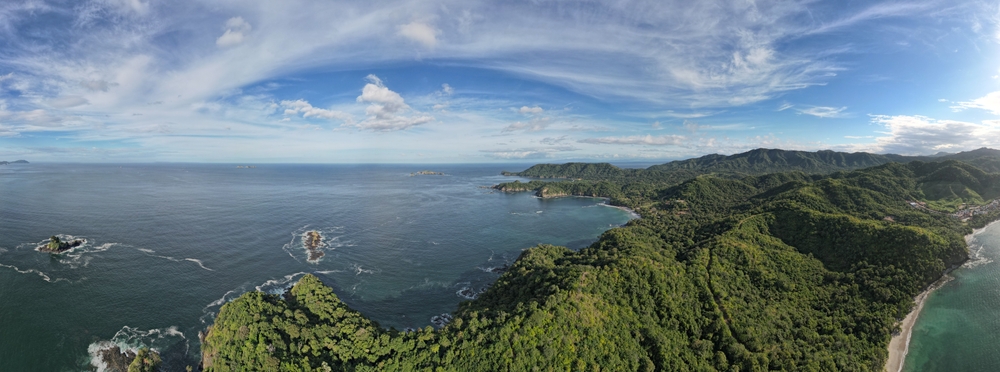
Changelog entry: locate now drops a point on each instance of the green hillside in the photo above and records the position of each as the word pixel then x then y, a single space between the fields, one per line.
pixel 753 162
pixel 761 161
pixel 774 272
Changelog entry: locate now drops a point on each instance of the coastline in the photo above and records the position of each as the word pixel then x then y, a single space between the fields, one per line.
pixel 626 209
pixel 900 343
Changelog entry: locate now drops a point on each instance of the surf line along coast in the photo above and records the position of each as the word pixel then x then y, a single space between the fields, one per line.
pixel 900 342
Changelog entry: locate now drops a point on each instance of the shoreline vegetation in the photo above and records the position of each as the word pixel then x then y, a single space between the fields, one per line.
pixel 900 343
pixel 758 267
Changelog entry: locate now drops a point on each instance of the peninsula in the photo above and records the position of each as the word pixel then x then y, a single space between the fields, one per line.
pixel 14 162
pixel 56 245
pixel 743 263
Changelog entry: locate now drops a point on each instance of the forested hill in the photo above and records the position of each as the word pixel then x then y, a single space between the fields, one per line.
pixel 754 162
pixel 985 158
pixel 784 271
pixel 761 161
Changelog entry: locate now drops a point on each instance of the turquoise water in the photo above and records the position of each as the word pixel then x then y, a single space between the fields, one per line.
pixel 959 326
pixel 168 244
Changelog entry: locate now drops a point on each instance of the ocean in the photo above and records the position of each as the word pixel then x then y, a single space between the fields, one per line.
pixel 167 244
pixel 959 326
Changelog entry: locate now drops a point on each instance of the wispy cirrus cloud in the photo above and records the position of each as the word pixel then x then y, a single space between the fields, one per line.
pixel 667 140
pixel 823 111
pixel 532 125
pixel 109 69
pixel 528 152
pixel 695 62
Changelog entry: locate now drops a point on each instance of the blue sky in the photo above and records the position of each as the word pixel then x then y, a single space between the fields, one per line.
pixel 484 81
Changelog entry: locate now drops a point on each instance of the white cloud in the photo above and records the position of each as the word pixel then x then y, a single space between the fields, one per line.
pixel 693 127
pixel 308 111
pixel 824 111
pixel 419 32
pixel 236 30
pixel 447 89
pixel 67 102
pixel 385 112
pixel 666 140
pixel 910 135
pixel 554 140
pixel 525 110
pixel 528 152
pixel 533 125
pixel 785 106
pixel 989 102
pixel 96 85
pixel 689 56
pixel 13 123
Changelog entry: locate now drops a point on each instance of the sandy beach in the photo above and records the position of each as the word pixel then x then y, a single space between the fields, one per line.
pixel 901 341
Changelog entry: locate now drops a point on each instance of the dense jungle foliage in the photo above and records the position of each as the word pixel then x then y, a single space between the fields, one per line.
pixel 782 271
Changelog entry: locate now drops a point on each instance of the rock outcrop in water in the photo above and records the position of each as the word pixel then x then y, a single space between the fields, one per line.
pixel 426 173
pixel 312 240
pixel 58 246
pixel 118 360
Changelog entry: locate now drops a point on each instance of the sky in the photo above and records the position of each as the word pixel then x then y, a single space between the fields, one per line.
pixel 469 81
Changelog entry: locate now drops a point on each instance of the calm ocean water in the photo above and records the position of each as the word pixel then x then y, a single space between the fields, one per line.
pixel 959 327
pixel 168 244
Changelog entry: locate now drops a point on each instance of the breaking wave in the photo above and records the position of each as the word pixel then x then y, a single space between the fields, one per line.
pixel 130 339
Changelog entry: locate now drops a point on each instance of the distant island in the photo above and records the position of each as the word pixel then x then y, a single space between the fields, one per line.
pixel 58 246
pixel 426 173
pixel 14 162
pixel 312 240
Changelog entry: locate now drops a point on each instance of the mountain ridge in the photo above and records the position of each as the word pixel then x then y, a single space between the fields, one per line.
pixel 756 162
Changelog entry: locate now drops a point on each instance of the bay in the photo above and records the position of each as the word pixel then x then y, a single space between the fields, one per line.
pixel 168 244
